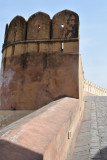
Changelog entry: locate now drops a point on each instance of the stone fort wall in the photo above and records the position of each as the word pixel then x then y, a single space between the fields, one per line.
pixel 39 26
pixel 40 61
pixel 92 89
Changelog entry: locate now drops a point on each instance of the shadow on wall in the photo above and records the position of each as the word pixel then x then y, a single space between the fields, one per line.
pixel 12 151
pixel 101 155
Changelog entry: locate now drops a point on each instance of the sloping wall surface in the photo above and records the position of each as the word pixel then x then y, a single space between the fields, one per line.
pixel 44 134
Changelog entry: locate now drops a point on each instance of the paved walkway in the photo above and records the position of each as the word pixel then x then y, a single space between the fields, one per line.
pixel 92 139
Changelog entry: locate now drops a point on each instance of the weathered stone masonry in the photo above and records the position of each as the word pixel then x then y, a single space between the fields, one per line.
pixel 40 60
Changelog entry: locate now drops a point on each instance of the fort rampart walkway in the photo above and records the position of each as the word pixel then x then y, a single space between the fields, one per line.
pixel 92 139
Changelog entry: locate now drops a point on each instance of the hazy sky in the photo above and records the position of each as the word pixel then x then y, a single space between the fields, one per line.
pixel 93 29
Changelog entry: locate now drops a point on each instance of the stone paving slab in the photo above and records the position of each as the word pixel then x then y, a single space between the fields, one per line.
pixel 92 139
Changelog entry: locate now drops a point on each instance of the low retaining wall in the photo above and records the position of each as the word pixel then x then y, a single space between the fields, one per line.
pixel 44 134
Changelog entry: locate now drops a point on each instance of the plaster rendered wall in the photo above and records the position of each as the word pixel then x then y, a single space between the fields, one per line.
pixel 41 65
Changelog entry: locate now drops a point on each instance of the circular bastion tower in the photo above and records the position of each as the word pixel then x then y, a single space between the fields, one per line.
pixel 40 60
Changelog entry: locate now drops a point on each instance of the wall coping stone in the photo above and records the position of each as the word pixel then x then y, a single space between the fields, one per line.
pixel 39 133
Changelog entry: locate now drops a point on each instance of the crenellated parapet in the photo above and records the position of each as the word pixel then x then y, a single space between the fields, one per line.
pixel 16 30
pixel 65 25
pixel 39 26
pixel 93 89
